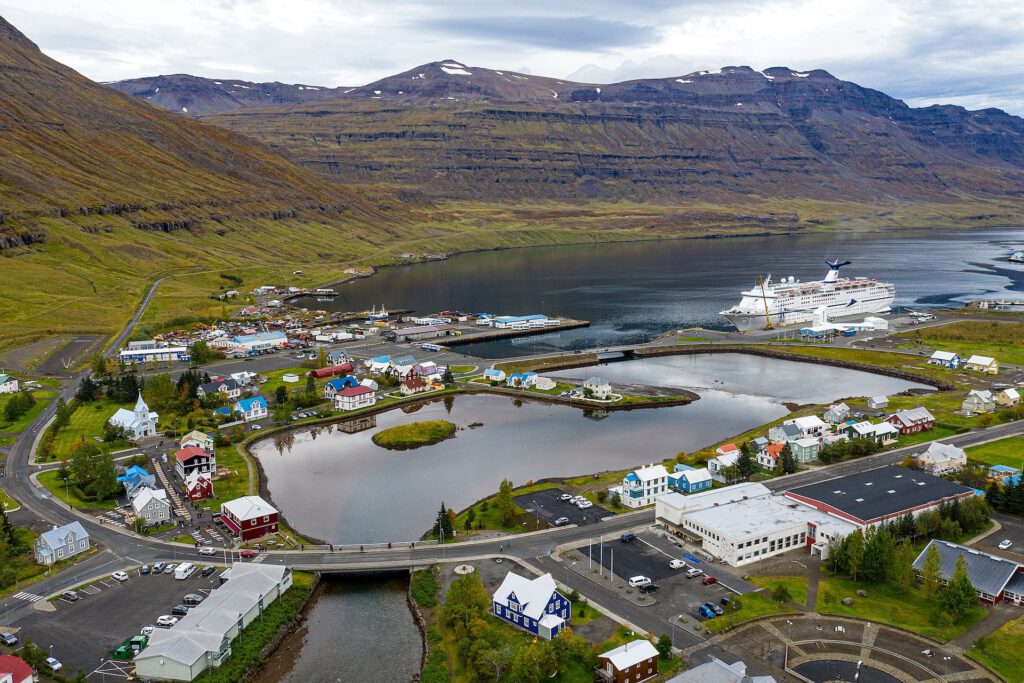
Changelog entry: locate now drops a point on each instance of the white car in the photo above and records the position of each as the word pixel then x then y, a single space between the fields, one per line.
pixel 584 504
pixel 1005 545
pixel 119 576
pixel 255 427
pixel 565 496
pixel 148 630
pixel 54 664
pixel 677 564
pixel 167 620
pixel 207 550
pixel 637 581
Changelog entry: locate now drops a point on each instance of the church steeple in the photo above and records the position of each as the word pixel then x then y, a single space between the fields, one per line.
pixel 141 409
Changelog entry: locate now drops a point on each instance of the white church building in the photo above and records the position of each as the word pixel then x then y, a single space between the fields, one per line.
pixel 138 423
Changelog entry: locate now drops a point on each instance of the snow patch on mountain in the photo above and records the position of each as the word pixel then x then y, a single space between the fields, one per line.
pixel 454 70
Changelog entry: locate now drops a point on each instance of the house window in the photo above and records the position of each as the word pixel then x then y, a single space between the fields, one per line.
pixel 60 553
pixel 82 545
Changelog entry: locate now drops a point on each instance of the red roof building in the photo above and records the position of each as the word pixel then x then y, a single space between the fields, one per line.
pixel 16 668
pixel 353 398
pixel 194 459
pixel 413 386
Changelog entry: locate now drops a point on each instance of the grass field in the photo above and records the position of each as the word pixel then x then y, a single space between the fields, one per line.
pixel 999 340
pixel 236 484
pixel 913 611
pixel 414 434
pixel 42 398
pixel 8 502
pixel 797 585
pixel 1003 650
pixel 55 485
pixel 87 422
pixel 1008 451
pixel 752 606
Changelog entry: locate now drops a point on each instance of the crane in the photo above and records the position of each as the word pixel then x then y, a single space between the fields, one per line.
pixel 767 315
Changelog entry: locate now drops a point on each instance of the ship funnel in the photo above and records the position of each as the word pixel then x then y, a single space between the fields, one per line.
pixel 833 269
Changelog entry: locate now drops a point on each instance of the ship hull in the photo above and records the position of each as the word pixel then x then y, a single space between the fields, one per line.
pixel 748 321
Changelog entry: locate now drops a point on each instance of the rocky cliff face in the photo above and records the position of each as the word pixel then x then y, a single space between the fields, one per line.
pixel 457 131
pixel 194 96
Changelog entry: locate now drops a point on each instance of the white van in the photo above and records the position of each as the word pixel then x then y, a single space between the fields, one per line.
pixel 640 581
pixel 184 570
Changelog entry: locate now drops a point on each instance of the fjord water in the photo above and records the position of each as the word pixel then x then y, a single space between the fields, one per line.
pixel 341 488
pixel 633 291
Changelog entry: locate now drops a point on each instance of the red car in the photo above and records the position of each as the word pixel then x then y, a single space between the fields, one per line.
pixel 247 553
pixel 708 580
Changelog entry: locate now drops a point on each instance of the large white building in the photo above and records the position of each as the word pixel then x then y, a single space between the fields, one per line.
pixel 202 639
pixel 138 423
pixel 641 486
pixel 941 458
pixel 8 384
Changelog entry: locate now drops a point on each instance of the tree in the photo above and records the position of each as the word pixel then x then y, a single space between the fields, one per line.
pixel 745 465
pixel 99 366
pixel 534 662
pixel 200 353
pixel 281 395
pixel 994 495
pixel 959 596
pixel 93 470
pixel 448 377
pixel 855 553
pixel 310 384
pixel 87 390
pixel 931 571
pixel 443 524
pixel 615 499
pixel 321 358
pixel 506 506
pixel 466 599
pixel 780 593
pixel 62 416
pixel 664 646
pixel 789 464
pixel 879 548
pixel 902 572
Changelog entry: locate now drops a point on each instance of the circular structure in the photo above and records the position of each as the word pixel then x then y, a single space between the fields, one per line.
pixel 839 671
pixel 464 569
pixel 290 377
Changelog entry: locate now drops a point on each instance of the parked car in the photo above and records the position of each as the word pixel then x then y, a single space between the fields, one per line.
pixel 208 570
pixel 561 521
pixel 180 610
pixel 649 588
pixel 584 505
pixel 693 573
pixel 255 427
pixel 704 613
pixel 676 564
pixel 119 576
pixel 193 599
pixel 565 496
pixel 207 550
pixel 247 553
pixel 158 568
pixel 726 601
pixel 144 569
pixel 148 630
pixel 70 596
pixel 169 569
pixel 166 621
pixel 53 664
pixel 708 580
pixel 627 537
pixel 1005 544
pixel 8 639
pixel 640 581
pixel 714 608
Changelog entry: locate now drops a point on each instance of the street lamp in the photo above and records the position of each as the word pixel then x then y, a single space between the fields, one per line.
pixel 945 667
pixel 102 670
pixel 790 630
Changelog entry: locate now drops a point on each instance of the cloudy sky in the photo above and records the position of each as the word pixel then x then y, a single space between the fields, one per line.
pixel 968 52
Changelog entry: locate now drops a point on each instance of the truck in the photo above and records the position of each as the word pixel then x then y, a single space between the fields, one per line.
pixel 130 648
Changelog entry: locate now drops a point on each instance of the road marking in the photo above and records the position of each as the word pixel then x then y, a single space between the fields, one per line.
pixel 30 597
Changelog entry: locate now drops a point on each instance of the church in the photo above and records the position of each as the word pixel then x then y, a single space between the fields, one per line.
pixel 138 423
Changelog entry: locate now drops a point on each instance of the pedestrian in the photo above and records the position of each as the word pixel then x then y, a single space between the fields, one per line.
pixel 360 548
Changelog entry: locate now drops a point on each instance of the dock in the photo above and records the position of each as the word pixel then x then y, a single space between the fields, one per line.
pixel 494 335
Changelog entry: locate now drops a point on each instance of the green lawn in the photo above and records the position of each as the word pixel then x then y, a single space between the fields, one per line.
pixel 274 380
pixel 55 485
pixel 1008 451
pixel 797 585
pixel 752 606
pixel 692 339
pixel 8 502
pixel 414 434
pixel 236 484
pixel 462 369
pixel 87 421
pixel 913 611
pixel 42 398
pixel 1002 650
pixel 999 340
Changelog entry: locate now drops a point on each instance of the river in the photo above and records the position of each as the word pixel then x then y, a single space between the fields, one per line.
pixel 631 292
pixel 341 488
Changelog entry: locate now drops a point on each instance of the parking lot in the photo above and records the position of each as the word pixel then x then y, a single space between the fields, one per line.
pixel 546 505
pixel 82 632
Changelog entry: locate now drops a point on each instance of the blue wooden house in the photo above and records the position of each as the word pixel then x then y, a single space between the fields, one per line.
pixel 690 480
pixel 533 605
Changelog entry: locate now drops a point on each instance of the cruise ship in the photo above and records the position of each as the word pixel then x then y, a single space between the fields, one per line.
pixel 789 301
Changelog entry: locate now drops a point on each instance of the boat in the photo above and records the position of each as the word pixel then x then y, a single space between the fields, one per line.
pixel 1016 257
pixel 789 301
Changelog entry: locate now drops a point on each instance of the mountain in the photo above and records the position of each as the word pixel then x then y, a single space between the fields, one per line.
pixel 194 95
pixel 731 135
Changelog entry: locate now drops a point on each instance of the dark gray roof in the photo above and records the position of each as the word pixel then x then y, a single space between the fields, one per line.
pixel 988 573
pixel 880 492
pixel 1016 584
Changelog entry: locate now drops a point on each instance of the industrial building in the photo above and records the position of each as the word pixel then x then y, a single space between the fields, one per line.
pixel 995 579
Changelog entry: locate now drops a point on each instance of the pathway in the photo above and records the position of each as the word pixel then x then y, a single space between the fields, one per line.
pixel 179 508
pixel 813 578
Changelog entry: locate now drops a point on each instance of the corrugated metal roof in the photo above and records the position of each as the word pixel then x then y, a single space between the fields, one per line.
pixel 988 573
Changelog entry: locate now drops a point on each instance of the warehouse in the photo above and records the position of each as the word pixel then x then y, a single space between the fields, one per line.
pixel 415 333
pixel 994 578
pixel 874 496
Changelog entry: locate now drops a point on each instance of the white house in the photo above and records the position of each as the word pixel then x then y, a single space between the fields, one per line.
pixel 878 402
pixel 718 464
pixel 837 413
pixel 61 542
pixel 151 505
pixel 990 366
pixel 8 385
pixel 197 439
pixel 946 359
pixel 809 426
pixel 1008 397
pixel 641 486
pixel 138 423
pixel 769 456
pixel 979 402
pixel 250 409
pixel 545 383
pixel 941 458
pixel 598 388
pixel 354 398
pixel 226 389
pixel 494 375
pixel 372 384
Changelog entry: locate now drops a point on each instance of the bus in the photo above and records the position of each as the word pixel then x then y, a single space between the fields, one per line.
pixel 430 347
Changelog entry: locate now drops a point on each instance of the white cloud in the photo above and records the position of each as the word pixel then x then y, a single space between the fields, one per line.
pixel 924 50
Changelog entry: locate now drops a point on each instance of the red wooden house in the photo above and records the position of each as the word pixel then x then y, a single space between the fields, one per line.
pixel 912 421
pixel 249 517
pixel 199 486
